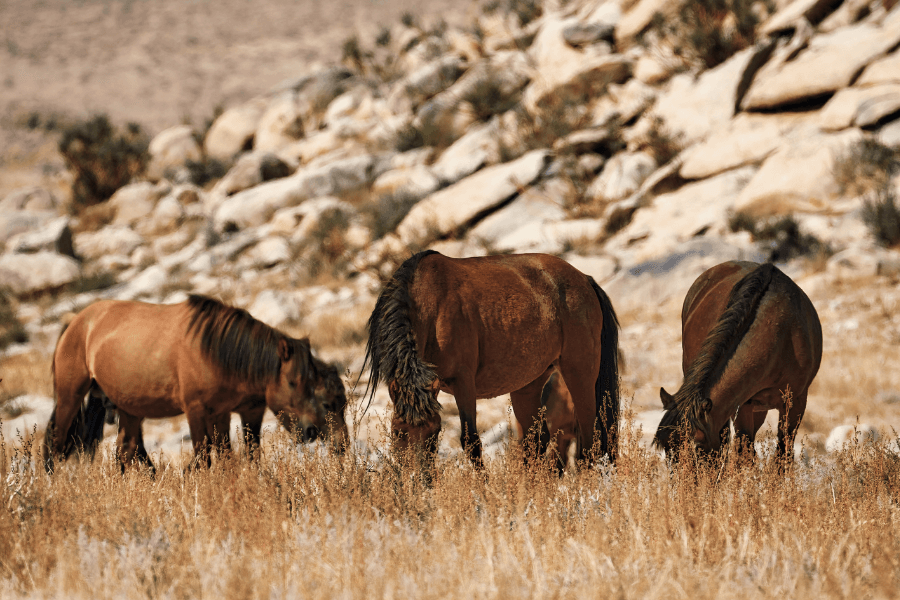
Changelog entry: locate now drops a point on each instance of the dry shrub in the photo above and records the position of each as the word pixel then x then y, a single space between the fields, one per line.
pixel 882 216
pixel 102 157
pixel 388 211
pixel 706 33
pixel 12 331
pixel 781 237
pixel 866 168
pixel 314 525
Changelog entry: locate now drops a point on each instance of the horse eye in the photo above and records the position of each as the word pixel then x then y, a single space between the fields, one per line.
pixel 292 384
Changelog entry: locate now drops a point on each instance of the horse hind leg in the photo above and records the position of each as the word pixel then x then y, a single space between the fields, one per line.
pixel 130 443
pixel 61 437
pixel 526 404
pixel 468 436
pixel 790 413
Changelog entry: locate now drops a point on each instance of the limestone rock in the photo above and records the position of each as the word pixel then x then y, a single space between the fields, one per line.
pixel 55 236
pixel 860 106
pixel 275 308
pixel 232 132
pixel 829 63
pixel 170 149
pixel 254 206
pixel 453 207
pixel 787 18
pixel 696 108
pixel 280 124
pixel 410 92
pixel 883 70
pixel 576 83
pixel 251 169
pixel 746 139
pixel 552 237
pixel 477 148
pixel 136 200
pixel 621 176
pixel 411 182
pixel 26 274
pixel 639 16
pixel 269 252
pixel 28 199
pixel 537 204
pixel 111 240
pixel 798 177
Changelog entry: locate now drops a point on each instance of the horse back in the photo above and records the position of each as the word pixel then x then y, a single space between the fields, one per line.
pixel 785 326
pixel 501 315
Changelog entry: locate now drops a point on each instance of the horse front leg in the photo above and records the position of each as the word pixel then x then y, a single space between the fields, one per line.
pixel 198 425
pixel 130 442
pixel 464 393
pixel 251 426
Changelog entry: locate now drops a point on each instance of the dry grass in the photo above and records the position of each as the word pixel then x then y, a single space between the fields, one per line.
pixel 27 373
pixel 316 526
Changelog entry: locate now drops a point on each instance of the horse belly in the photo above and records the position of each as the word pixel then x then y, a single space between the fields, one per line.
pixel 140 380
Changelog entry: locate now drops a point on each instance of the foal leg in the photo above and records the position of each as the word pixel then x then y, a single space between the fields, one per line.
pixel 581 381
pixel 130 442
pixel 746 424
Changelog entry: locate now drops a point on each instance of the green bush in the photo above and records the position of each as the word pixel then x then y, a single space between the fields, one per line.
pixel 102 158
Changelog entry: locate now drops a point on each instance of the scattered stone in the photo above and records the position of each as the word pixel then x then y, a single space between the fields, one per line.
pixel 136 200
pixel 55 236
pixel 860 106
pixel 232 132
pixel 269 252
pixel 798 177
pixel 172 148
pixel 250 170
pixel 453 207
pixel 280 124
pixel 112 239
pixel 28 199
pixel 622 175
pixel 27 274
pixel 829 63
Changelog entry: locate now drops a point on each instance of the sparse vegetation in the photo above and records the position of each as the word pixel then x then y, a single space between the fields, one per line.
pixel 781 237
pixel 706 33
pixel 387 212
pixel 866 168
pixel 662 142
pixel 510 531
pixel 102 158
pixel 882 216
pixel 12 331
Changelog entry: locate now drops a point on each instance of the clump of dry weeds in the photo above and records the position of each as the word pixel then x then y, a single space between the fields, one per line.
pixel 315 525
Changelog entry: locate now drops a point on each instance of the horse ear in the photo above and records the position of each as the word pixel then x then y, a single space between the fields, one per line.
pixel 285 350
pixel 667 400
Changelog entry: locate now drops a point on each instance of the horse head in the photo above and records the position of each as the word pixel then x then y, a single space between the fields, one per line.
pixel 691 419
pixel 290 390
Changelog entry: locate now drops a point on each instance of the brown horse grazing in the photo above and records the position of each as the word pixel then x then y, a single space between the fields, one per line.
pixel 485 326
pixel 201 358
pixel 323 413
pixel 749 334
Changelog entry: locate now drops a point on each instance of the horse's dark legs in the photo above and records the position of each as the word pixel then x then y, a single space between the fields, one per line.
pixel 59 438
pixel 197 422
pixel 464 392
pixel 581 385
pixel 526 403
pixel 251 426
pixel 219 433
pixel 130 442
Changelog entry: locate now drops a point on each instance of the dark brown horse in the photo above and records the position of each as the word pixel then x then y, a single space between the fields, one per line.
pixel 201 358
pixel 749 335
pixel 486 326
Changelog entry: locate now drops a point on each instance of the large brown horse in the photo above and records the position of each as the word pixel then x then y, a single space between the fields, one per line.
pixel 201 358
pixel 749 335
pixel 485 326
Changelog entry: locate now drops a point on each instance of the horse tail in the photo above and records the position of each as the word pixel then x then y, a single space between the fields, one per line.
pixel 391 353
pixel 606 388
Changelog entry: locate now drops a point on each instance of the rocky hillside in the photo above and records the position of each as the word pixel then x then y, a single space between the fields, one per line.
pixel 642 141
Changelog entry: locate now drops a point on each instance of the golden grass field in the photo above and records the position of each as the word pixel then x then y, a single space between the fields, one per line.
pixel 314 525
pixel 306 523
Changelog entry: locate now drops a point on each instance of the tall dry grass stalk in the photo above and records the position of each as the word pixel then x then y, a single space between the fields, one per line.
pixel 308 524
